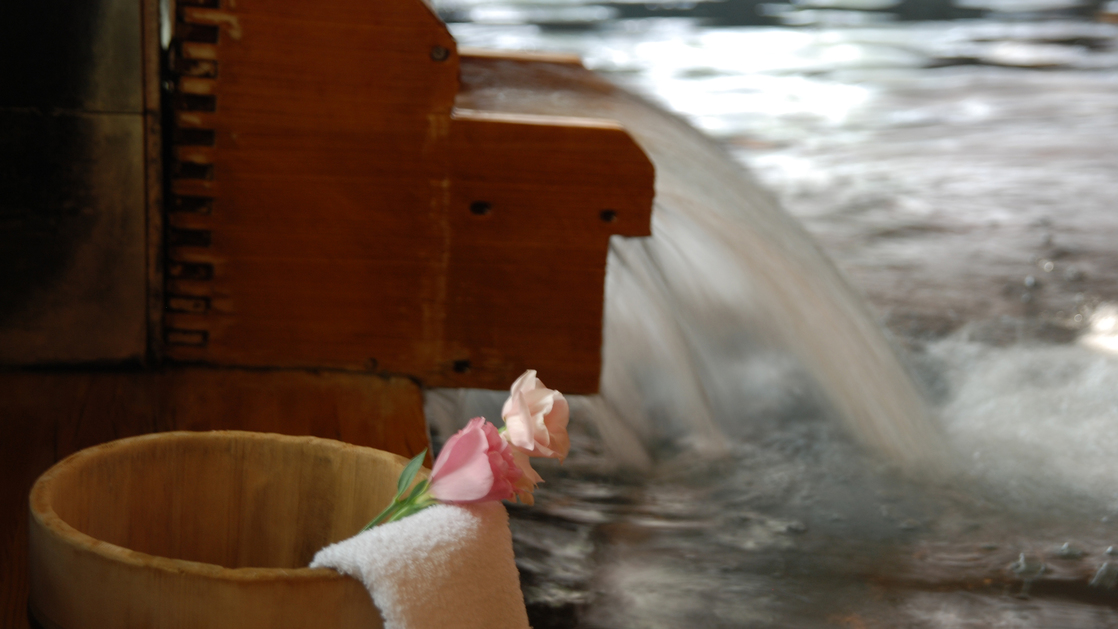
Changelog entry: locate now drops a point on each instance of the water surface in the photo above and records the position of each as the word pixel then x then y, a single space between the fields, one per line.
pixel 962 176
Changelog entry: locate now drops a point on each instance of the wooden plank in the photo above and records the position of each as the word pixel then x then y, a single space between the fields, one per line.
pixel 534 201
pixel 363 409
pixel 44 418
pixel 320 241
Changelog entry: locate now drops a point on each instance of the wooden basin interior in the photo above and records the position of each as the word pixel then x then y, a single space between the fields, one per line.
pixel 227 498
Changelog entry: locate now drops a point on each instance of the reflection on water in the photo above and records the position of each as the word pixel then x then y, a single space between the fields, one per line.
pixel 963 176
pixel 590 14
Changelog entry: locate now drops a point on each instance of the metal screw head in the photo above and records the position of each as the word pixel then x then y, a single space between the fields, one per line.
pixel 439 53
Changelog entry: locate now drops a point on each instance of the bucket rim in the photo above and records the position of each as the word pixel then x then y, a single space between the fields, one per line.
pixel 43 514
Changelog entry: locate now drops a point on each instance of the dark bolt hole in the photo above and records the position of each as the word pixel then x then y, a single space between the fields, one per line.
pixel 190 270
pixel 187 303
pixel 189 237
pixel 439 53
pixel 461 366
pixel 191 170
pixel 195 137
pixel 608 216
pixel 196 205
pixel 195 338
pixel 480 208
pixel 196 102
pixel 201 33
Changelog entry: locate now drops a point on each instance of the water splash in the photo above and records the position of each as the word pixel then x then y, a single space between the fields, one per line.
pixel 728 285
pixel 1034 421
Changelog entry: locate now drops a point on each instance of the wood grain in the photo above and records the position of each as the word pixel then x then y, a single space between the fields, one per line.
pixel 323 211
pixel 534 201
pixel 329 129
pixel 204 529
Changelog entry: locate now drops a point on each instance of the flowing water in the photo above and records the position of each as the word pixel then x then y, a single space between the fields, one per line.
pixel 759 456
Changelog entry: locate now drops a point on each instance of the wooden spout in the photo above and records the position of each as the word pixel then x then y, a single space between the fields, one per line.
pixel 333 208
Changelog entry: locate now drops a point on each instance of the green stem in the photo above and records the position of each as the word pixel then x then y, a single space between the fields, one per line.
pixel 401 508
pixel 413 508
pixel 389 510
pixel 398 502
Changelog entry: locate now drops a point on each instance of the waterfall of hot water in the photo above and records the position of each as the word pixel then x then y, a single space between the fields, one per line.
pixel 729 310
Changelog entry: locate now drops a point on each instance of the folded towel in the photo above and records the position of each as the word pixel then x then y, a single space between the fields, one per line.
pixel 446 567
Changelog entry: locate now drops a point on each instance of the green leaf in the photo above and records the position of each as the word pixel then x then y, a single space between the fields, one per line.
pixel 410 470
pixel 419 488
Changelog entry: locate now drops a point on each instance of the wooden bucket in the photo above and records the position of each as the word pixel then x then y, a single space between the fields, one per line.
pixel 213 529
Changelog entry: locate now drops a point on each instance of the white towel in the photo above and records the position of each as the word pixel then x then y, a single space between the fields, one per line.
pixel 446 567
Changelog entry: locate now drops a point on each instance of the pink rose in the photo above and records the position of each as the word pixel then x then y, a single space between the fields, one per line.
pixel 475 465
pixel 536 418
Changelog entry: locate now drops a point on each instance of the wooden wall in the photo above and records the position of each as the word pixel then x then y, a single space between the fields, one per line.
pixel 335 235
